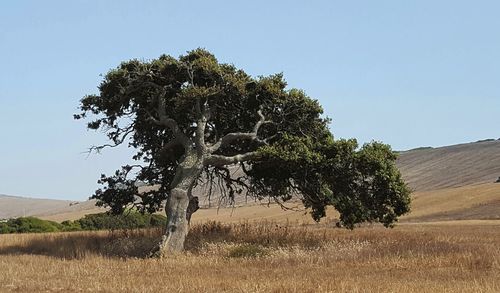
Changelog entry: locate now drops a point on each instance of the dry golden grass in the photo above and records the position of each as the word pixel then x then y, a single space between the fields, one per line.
pixel 480 201
pixel 259 257
pixel 277 251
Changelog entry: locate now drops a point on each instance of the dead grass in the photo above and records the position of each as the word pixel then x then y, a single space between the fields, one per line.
pixel 263 257
pixel 480 201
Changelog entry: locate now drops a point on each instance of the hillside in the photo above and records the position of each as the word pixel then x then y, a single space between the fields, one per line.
pixel 16 206
pixel 451 166
pixel 453 182
pixel 471 202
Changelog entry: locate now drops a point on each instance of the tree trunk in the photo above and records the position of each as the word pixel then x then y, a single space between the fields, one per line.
pixel 179 208
pixel 177 222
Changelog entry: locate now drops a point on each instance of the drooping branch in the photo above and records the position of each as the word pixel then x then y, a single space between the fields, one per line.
pixel 119 137
pixel 224 179
pixel 230 137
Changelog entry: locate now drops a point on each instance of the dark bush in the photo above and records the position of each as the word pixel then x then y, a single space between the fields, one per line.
pixel 71 226
pixel 128 220
pixel 5 228
pixel 29 225
pixel 102 221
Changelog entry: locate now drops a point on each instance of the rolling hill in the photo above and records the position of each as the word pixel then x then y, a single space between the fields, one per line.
pixel 451 166
pixel 450 183
pixel 16 206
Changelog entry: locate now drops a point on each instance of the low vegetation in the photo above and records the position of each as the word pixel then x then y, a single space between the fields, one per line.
pixel 102 221
pixel 260 257
pixel 29 225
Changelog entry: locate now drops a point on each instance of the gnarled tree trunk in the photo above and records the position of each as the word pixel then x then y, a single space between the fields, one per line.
pixel 181 204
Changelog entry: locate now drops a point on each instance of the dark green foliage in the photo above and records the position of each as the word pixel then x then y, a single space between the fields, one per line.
pixel 293 152
pixel 70 226
pixel 5 228
pixel 128 220
pixel 364 184
pixel 29 225
pixel 102 221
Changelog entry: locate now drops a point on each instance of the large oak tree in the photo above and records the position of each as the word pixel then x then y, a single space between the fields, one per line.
pixel 190 119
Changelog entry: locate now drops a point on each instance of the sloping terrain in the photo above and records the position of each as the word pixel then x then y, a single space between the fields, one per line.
pixel 15 206
pixel 452 166
pixel 454 182
pixel 471 202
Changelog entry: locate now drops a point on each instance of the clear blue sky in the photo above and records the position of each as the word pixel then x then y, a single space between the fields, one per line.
pixel 408 73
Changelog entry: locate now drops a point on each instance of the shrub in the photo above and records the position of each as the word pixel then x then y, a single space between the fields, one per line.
pixel 128 220
pixel 5 228
pixel 102 221
pixel 70 226
pixel 30 225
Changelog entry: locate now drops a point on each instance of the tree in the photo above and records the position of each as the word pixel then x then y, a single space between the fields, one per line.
pixel 190 119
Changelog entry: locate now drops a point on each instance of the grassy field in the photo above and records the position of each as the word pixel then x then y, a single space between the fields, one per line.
pixel 260 257
pixel 449 243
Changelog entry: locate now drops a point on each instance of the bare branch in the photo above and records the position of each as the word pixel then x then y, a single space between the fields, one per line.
pixel 117 141
pixel 170 123
pixel 230 137
pixel 219 160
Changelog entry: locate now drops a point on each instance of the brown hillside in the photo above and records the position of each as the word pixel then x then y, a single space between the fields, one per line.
pixel 451 166
pixel 472 202
pixel 15 206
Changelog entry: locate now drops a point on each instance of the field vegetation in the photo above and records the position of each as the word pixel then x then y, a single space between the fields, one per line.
pixel 101 221
pixel 461 256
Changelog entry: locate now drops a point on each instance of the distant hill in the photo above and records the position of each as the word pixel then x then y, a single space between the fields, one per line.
pixel 452 166
pixel 16 206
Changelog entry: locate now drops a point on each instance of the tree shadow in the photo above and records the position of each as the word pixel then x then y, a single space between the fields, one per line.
pixel 78 245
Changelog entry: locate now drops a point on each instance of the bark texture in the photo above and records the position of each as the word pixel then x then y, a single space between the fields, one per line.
pixel 181 204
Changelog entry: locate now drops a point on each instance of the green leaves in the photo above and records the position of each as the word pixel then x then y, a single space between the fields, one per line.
pixel 294 150
pixel 363 184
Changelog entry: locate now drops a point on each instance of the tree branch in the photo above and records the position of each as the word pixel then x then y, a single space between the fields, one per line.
pixel 220 160
pixel 230 137
pixel 117 141
pixel 170 123
pixel 201 124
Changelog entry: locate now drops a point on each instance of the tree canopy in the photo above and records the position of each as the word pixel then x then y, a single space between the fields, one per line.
pixel 191 118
